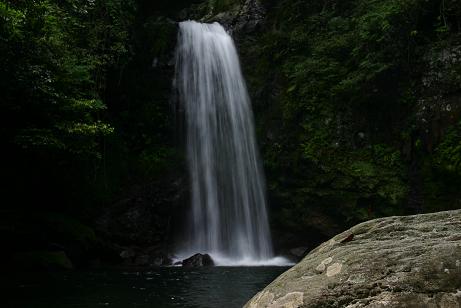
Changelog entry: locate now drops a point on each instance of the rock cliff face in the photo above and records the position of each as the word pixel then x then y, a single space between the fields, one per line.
pixel 241 19
pixel 410 261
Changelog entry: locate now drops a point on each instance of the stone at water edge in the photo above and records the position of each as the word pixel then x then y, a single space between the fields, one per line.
pixel 198 260
pixel 145 257
pixel 410 261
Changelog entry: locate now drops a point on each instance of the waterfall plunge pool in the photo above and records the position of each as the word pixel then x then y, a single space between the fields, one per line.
pixel 223 260
pixel 162 287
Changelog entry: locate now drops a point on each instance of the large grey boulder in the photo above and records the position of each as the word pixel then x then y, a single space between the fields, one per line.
pixel 412 261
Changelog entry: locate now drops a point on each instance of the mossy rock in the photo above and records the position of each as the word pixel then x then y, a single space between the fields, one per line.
pixel 56 260
pixel 70 229
pixel 45 228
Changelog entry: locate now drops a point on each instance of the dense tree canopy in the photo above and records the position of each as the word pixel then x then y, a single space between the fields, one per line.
pixel 63 64
pixel 85 113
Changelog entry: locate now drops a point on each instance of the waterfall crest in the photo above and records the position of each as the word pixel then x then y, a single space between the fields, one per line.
pixel 229 217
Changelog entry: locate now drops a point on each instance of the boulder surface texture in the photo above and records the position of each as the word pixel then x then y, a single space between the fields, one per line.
pixel 410 261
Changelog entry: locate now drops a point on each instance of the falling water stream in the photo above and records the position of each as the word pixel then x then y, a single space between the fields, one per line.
pixel 228 218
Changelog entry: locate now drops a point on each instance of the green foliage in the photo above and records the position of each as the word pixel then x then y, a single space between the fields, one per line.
pixel 84 114
pixel 442 172
pixel 67 230
pixel 48 78
pixel 157 160
pixel 447 156
pixel 348 90
pixel 216 6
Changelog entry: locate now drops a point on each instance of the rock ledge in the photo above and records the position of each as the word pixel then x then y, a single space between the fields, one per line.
pixel 410 261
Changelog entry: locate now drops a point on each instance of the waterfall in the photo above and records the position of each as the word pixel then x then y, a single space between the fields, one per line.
pixel 228 217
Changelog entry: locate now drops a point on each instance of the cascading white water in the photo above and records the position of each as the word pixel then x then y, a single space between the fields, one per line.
pixel 229 218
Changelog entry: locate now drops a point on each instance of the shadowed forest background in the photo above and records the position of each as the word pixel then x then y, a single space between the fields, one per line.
pixel 357 106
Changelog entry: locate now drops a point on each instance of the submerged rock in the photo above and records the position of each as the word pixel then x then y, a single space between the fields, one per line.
pixel 412 261
pixel 198 260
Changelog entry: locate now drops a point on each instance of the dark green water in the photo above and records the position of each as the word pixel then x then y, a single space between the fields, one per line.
pixel 165 287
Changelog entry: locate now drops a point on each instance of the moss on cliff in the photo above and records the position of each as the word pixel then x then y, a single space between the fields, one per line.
pixel 338 89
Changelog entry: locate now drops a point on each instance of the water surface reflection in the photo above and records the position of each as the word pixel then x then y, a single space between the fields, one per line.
pixel 163 287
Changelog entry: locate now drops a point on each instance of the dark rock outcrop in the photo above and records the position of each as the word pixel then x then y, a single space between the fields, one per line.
pixel 145 257
pixel 410 261
pixel 242 19
pixel 198 260
pixel 141 225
